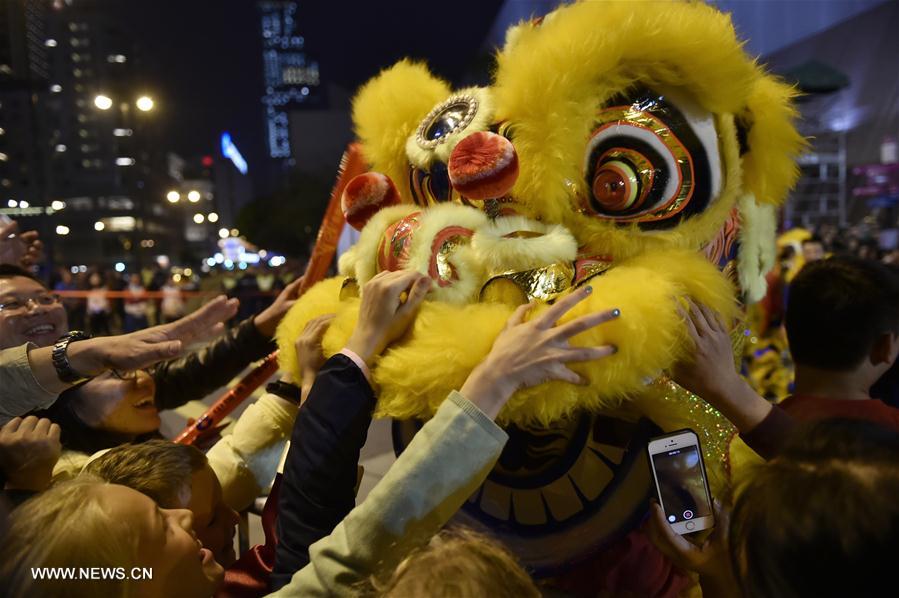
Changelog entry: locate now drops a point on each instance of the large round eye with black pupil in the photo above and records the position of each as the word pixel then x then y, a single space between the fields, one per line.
pixel 622 180
pixel 651 162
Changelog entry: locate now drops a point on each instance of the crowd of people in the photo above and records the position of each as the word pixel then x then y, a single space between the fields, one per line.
pixel 105 301
pixel 89 483
pixel 767 357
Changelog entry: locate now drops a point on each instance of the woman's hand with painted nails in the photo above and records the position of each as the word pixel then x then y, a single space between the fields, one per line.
pixel 529 352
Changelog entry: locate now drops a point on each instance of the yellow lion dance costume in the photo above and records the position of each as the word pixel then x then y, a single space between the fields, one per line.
pixel 648 155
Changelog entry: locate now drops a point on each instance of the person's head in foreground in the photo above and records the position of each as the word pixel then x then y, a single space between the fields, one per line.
pixel 822 518
pixel 86 523
pixel 843 316
pixel 176 476
pixel 457 564
pixel 106 411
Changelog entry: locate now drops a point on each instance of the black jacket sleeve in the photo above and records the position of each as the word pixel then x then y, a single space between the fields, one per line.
pixel 319 481
pixel 194 376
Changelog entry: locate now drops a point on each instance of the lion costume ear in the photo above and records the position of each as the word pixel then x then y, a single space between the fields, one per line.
pixel 388 109
pixel 772 142
pixel 770 145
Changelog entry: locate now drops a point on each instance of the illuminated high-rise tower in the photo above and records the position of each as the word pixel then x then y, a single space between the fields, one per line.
pixel 291 78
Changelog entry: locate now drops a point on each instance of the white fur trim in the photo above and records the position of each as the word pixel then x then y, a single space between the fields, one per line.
pixel 467 266
pixel 499 254
pixel 346 263
pixel 758 225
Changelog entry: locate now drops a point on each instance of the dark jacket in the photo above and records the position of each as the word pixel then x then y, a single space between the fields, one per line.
pixel 318 488
pixel 178 381
pixel 195 375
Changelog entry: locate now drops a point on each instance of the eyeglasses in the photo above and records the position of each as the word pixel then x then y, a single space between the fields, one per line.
pixel 20 304
pixel 125 376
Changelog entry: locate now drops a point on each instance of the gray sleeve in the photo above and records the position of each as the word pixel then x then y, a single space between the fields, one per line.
pixel 20 392
pixel 443 465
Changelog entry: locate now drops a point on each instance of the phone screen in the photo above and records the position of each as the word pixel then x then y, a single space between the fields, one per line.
pixel 682 484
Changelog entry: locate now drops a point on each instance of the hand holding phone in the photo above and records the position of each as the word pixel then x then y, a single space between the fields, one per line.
pixel 681 482
pixel 710 559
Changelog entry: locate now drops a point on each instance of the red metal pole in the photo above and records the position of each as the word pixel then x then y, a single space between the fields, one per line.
pixel 351 165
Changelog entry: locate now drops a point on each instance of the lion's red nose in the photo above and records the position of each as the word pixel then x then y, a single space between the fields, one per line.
pixel 484 165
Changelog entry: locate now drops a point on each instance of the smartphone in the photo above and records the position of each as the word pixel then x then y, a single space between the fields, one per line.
pixel 681 481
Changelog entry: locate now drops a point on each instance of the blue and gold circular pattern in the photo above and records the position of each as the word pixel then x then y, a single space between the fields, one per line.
pixel 558 495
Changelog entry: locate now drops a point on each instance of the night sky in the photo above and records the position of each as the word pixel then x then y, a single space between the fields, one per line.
pixel 204 66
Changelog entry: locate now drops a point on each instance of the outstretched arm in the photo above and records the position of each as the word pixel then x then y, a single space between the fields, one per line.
pixel 450 456
pixel 30 381
pixel 318 486
pixel 710 373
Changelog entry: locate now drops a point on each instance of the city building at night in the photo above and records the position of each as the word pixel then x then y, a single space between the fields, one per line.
pixel 290 75
pixel 24 72
pixel 83 151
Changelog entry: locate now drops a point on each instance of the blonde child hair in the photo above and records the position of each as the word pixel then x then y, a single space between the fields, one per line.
pixel 65 526
pixel 457 563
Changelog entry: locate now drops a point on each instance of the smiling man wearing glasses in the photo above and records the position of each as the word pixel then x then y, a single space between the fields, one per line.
pixel 28 312
pixel 31 315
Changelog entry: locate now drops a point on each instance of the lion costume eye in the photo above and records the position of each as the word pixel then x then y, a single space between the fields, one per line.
pixel 450 117
pixel 652 162
pixel 429 148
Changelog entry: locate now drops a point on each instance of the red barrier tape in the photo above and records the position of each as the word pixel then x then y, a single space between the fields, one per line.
pixel 162 295
pixel 351 165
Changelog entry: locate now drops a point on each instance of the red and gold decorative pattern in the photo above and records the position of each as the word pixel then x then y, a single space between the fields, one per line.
pixel 724 248
pixel 445 243
pixel 588 266
pixel 624 185
pixel 393 250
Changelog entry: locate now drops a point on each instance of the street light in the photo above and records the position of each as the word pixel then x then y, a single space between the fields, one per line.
pixel 98 225
pixel 145 103
pixel 213 217
pixel 58 205
pixel 173 196
pixel 193 196
pixel 199 218
pixel 103 102
pixel 62 230
pixel 223 233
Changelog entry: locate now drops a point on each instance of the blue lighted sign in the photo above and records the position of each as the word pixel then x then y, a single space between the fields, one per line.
pixel 229 150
